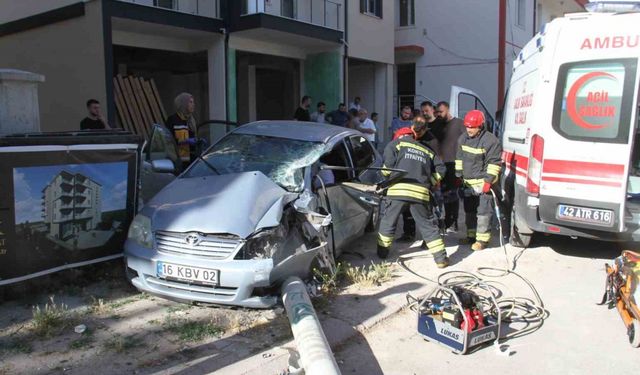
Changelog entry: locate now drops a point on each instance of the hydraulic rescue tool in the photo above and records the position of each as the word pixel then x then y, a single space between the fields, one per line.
pixel 623 293
pixel 459 318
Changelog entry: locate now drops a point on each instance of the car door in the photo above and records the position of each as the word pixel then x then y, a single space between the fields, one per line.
pixel 351 198
pixel 160 147
pixel 464 100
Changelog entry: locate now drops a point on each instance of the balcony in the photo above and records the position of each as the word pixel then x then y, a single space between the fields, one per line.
pixel 204 8
pixel 325 13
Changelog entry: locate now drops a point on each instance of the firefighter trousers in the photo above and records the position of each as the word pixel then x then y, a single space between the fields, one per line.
pixel 423 216
pixel 478 211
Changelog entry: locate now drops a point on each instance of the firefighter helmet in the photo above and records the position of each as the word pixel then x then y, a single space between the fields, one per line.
pixel 402 132
pixel 474 119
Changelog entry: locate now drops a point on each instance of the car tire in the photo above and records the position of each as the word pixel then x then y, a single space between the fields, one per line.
pixel 516 238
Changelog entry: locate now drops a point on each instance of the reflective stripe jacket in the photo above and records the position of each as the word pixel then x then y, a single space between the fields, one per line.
pixel 424 169
pixel 478 159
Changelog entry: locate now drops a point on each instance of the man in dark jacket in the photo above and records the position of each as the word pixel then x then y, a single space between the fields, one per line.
pixel 302 112
pixel 478 163
pixel 424 170
pixel 447 133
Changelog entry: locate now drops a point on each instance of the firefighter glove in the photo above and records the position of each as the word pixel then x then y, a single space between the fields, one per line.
pixel 486 187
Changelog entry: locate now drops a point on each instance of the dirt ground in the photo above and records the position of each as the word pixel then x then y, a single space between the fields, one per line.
pixel 127 332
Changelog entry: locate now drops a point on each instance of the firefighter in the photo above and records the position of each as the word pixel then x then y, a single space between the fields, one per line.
pixel 478 163
pixel 424 171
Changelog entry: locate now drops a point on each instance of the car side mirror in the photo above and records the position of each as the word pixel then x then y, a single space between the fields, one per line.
pixel 163 166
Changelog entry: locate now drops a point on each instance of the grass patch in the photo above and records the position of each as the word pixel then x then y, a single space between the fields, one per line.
pixel 83 342
pixel 128 300
pixel 331 281
pixel 51 319
pixel 369 276
pixel 193 331
pixel 98 306
pixel 121 344
pixel 345 274
pixel 16 346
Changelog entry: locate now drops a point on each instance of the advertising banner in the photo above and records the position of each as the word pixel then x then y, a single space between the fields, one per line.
pixel 65 201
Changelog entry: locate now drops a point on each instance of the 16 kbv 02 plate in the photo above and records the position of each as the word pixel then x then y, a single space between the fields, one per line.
pixel 194 275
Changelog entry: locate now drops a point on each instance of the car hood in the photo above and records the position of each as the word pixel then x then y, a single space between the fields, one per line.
pixel 237 204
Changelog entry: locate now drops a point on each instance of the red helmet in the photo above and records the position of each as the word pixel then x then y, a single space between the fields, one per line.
pixel 403 131
pixel 474 119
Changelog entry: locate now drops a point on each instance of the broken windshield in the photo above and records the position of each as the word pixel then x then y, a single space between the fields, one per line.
pixel 280 159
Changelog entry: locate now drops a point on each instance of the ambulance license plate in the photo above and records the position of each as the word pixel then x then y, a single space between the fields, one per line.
pixel 585 215
pixel 192 275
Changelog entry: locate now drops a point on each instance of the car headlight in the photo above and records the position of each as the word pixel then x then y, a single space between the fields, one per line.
pixel 264 244
pixel 140 231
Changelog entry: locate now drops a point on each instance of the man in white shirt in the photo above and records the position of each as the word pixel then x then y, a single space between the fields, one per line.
pixel 356 104
pixel 367 127
pixel 318 115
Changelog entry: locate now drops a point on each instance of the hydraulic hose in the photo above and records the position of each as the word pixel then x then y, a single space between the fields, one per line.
pixel 518 310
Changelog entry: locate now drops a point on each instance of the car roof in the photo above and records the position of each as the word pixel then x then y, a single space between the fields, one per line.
pixel 297 130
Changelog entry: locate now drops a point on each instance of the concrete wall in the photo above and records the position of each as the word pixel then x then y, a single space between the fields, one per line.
pixel 460 39
pixel 16 9
pixel 362 83
pixel 369 37
pixel 323 78
pixel 547 10
pixel 70 54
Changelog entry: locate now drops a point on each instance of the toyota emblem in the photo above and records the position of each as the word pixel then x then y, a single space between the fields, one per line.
pixel 192 239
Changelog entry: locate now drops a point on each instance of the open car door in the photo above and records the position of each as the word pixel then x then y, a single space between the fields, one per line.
pixel 350 196
pixel 464 100
pixel 160 163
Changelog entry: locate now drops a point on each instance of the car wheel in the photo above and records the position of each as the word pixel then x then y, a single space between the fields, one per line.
pixel 516 238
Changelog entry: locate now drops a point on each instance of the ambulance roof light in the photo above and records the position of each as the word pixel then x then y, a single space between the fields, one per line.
pixel 613 6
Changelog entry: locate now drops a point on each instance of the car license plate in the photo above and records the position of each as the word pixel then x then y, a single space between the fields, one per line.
pixel 194 275
pixel 585 215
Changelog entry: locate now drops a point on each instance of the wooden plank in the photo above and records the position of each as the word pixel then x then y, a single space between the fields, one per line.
pixel 133 106
pixel 156 93
pixel 125 117
pixel 142 103
pixel 127 104
pixel 155 110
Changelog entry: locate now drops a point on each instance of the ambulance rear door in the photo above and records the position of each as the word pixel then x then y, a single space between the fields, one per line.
pixel 464 100
pixel 586 155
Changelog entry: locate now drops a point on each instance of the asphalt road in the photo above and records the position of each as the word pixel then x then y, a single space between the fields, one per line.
pixel 578 336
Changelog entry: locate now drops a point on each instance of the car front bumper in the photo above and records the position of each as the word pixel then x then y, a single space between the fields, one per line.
pixel 238 279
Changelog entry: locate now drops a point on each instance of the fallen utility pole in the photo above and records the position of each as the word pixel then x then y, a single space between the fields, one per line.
pixel 315 353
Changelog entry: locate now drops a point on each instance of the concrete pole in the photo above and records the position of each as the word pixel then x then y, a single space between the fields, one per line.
pixel 315 353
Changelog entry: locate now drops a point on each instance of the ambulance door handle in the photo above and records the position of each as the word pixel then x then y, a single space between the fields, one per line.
pixel 517 140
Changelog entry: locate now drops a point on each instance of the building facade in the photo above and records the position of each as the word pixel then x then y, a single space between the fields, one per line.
pixel 71 203
pixel 470 44
pixel 243 60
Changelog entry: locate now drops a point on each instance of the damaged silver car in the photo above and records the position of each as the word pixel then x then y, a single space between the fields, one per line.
pixel 271 199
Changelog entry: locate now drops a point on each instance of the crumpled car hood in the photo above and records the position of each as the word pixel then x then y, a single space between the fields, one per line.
pixel 237 204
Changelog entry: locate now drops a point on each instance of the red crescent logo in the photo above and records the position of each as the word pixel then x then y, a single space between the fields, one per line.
pixel 572 110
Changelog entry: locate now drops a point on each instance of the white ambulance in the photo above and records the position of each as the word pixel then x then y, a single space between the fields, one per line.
pixel 569 125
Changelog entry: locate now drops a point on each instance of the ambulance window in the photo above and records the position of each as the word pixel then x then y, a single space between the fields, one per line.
pixel 594 100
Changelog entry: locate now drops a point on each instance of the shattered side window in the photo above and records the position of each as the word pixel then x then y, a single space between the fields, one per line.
pixel 280 159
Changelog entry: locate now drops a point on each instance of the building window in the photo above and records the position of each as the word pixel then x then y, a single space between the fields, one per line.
pixel 521 12
pixel 407 13
pixel 169 4
pixel 371 7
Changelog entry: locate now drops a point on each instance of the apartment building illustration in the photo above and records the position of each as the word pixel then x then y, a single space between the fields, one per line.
pixel 71 203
